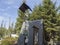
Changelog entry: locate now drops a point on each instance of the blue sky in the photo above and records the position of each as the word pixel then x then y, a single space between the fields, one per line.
pixel 9 9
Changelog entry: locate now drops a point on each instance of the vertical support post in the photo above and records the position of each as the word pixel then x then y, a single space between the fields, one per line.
pixel 21 40
pixel 40 35
pixel 30 37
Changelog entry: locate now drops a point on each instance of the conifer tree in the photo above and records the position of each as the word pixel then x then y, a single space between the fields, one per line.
pixel 19 21
pixel 2 30
pixel 47 11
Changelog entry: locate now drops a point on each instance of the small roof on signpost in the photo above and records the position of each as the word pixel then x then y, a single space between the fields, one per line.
pixel 24 7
